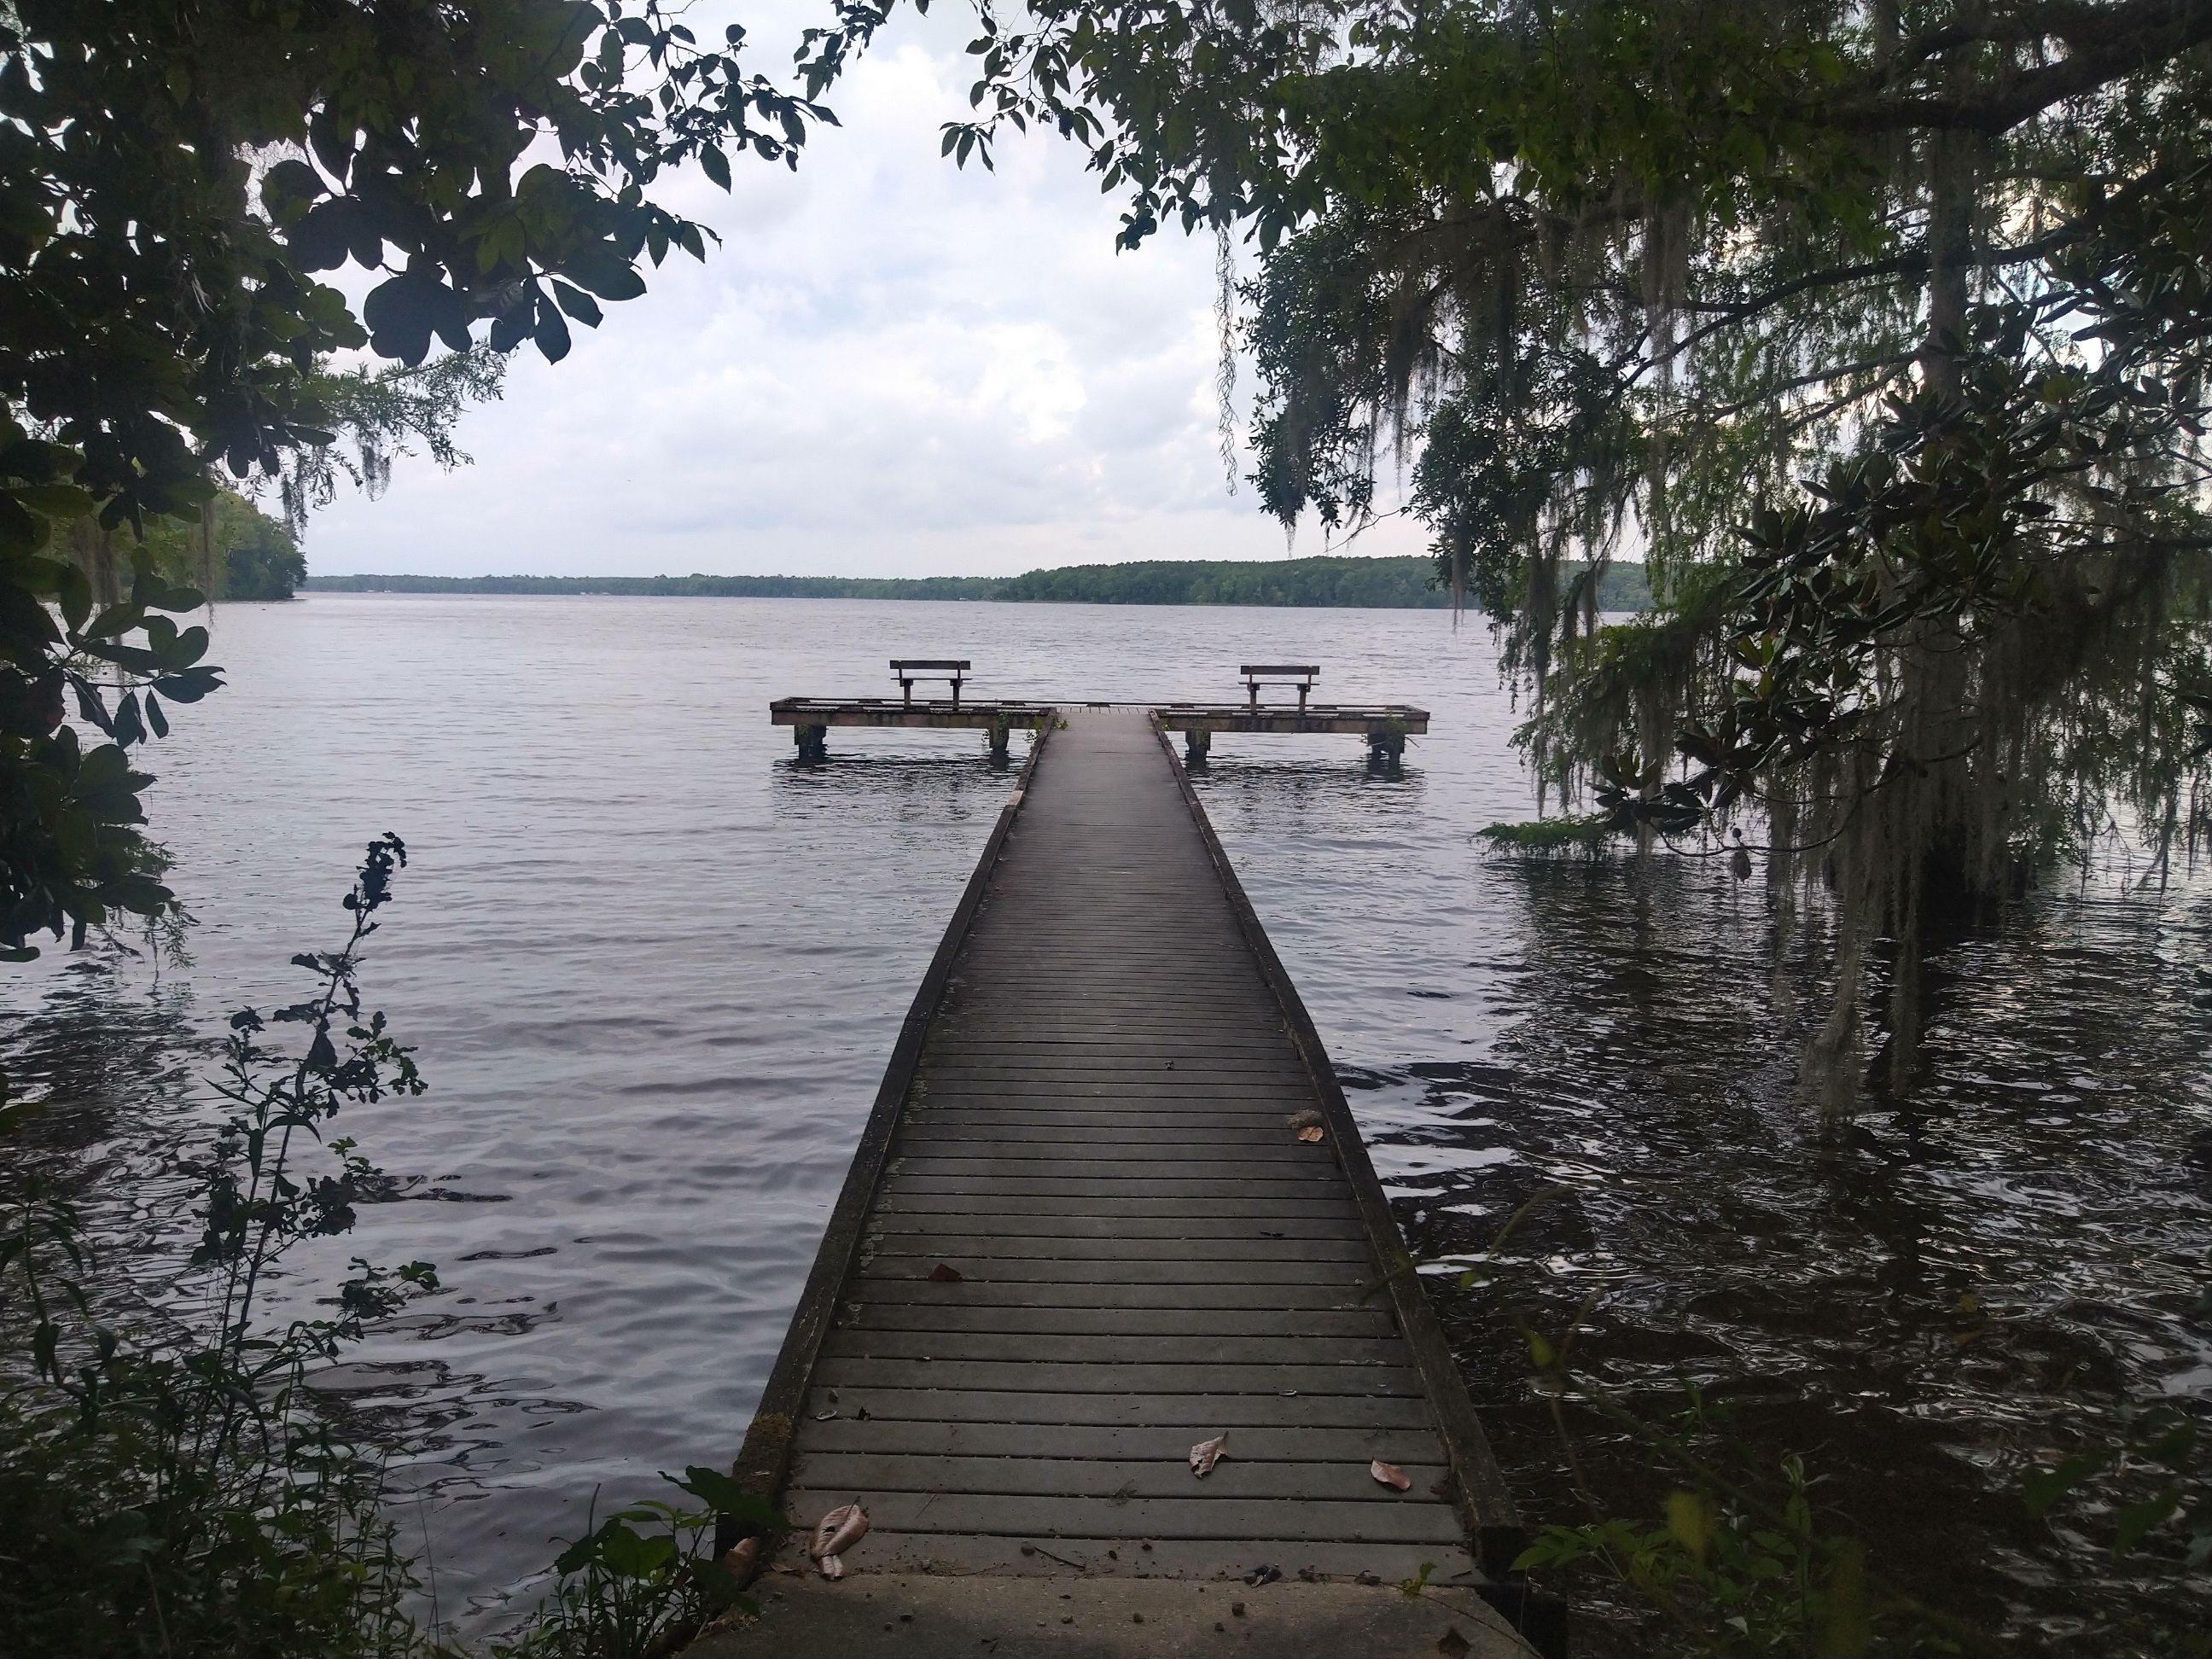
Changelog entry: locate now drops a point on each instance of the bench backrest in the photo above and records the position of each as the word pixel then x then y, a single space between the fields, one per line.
pixel 907 669
pixel 1299 674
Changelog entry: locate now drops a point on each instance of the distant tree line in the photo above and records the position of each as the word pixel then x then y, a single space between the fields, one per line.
pixel 1393 584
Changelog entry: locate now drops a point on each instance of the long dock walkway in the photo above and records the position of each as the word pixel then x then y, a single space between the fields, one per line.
pixel 1088 1236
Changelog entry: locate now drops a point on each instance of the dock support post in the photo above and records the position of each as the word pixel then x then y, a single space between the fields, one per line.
pixel 1386 749
pixel 1002 734
pixel 1195 744
pixel 813 742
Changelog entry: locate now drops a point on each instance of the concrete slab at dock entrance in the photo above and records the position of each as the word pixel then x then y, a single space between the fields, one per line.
pixel 1084 1231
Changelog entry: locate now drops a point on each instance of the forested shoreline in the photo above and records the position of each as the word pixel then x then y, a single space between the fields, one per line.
pixel 1381 584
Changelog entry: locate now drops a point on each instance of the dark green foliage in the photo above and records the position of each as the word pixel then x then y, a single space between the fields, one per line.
pixel 643 1580
pixel 71 851
pixel 1377 584
pixel 233 550
pixel 179 180
pixel 265 565
pixel 1880 332
pixel 171 1487
pixel 178 184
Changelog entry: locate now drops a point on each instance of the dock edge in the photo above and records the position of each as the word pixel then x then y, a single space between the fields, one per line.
pixel 764 1459
pixel 1479 1489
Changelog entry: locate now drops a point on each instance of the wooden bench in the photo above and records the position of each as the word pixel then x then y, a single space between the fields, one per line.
pixel 1301 675
pixel 907 669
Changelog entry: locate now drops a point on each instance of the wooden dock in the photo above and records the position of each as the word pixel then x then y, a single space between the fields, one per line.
pixel 1082 1233
pixel 811 718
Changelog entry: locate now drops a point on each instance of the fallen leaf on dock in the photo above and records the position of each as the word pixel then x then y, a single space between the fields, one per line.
pixel 945 1273
pixel 1263 1575
pixel 1310 1133
pixel 743 1560
pixel 1207 1453
pixel 836 1533
pixel 1390 1474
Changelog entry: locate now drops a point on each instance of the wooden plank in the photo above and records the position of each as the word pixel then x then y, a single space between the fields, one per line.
pixel 1104 1118
pixel 1314 1205
pixel 1207 1296
pixel 929 1227
pixel 1089 1151
pixel 1046 1376
pixel 1346 1480
pixel 1348 1277
pixel 1299 1322
pixel 1266 1520
pixel 901 1437
pixel 1073 1187
pixel 1216 1567
pixel 1120 1250
pixel 865 1340
pixel 1166 1171
pixel 1211 1412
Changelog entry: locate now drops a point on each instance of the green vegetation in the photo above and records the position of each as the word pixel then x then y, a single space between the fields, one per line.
pixel 235 551
pixel 1376 584
pixel 1379 584
pixel 1554 837
pixel 1881 330
pixel 171 1485
pixel 173 1488
pixel 178 181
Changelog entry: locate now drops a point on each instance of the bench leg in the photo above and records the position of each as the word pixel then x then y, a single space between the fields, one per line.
pixel 813 742
pixel 1195 747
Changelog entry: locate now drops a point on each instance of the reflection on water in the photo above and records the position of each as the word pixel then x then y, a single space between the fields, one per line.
pixel 1927 1302
pixel 654 969
pixel 914 787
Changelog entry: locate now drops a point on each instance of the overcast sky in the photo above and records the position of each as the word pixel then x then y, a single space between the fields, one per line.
pixel 889 368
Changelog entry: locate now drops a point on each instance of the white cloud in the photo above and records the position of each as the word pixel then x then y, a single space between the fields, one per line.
pixel 891 367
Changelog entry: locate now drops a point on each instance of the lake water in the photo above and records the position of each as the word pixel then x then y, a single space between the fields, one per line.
pixel 654 969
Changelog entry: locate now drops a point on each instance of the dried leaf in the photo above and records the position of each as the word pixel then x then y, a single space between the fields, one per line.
pixel 945 1273
pixel 838 1531
pixel 1310 1133
pixel 1207 1453
pixel 1389 1474
pixel 830 1567
pixel 743 1560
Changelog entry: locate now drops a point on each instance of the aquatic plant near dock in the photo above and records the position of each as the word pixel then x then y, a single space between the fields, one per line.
pixel 171 1485
pixel 643 1582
